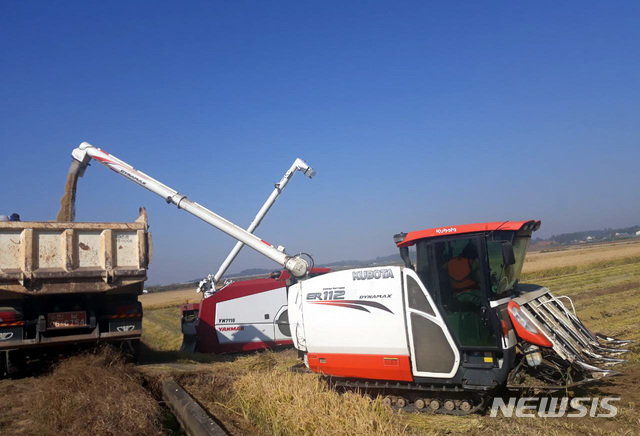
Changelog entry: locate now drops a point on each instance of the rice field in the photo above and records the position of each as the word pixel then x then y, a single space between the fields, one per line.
pixel 257 395
pixel 558 257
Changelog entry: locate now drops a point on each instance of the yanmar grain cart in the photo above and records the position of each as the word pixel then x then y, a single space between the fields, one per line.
pixel 70 283
pixel 445 334
pixel 244 315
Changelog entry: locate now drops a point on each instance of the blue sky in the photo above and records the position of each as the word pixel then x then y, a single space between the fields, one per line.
pixel 414 114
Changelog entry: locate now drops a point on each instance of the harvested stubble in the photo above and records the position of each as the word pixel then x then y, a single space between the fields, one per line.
pixel 259 390
pixel 91 394
pixel 287 404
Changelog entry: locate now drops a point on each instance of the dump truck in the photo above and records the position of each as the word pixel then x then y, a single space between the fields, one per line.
pixel 70 283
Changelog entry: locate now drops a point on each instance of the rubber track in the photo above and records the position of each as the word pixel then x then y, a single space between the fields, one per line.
pixel 478 398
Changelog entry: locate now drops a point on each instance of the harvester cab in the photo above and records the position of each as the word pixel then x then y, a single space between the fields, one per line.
pixel 468 270
pixel 450 329
pixel 472 272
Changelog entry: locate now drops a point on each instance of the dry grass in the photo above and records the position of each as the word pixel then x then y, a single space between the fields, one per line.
pixel 161 329
pixel 288 404
pixel 256 395
pixel 580 255
pixel 91 394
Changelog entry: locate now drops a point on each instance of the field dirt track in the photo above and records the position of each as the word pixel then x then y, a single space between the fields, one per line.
pixel 257 395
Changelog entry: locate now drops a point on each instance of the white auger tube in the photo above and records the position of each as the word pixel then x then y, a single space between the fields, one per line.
pixel 298 165
pixel 83 154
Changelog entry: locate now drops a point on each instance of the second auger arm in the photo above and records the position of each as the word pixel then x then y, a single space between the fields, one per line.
pixel 85 152
pixel 208 284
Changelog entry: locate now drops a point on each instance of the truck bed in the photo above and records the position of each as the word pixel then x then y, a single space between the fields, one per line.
pixel 68 257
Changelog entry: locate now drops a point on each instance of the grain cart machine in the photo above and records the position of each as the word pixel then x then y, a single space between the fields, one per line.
pixel 68 283
pixel 445 334
pixel 243 315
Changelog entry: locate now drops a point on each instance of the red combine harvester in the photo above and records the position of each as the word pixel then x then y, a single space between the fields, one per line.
pixel 447 333
pixel 242 316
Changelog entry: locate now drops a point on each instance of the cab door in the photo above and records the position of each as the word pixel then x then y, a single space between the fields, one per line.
pixel 462 296
pixel 433 350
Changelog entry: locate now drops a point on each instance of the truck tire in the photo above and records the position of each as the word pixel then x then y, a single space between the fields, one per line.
pixel 16 363
pixel 3 364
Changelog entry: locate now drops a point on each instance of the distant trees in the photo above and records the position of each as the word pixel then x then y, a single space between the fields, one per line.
pixel 598 235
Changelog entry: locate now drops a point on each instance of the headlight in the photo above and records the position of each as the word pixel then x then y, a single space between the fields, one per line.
pixel 525 329
pixel 523 320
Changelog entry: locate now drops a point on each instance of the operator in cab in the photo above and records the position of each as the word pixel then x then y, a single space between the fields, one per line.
pixel 463 275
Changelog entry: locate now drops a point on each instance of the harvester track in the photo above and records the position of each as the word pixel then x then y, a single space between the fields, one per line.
pixel 413 397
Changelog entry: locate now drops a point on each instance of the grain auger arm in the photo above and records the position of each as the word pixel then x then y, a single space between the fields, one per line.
pixel 208 285
pixel 85 152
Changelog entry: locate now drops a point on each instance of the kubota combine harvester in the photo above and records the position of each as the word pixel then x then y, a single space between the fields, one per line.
pixel 444 334
pixel 448 332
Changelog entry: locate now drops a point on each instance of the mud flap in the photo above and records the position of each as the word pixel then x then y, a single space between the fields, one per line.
pixel 189 335
pixel 189 325
pixel 189 343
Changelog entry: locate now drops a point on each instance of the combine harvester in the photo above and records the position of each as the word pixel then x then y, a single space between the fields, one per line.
pixel 444 335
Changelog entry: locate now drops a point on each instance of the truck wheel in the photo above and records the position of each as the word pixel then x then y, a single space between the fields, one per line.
pixel 3 364
pixel 15 363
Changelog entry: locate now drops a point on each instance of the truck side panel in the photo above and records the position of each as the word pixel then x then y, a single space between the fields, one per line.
pixel 49 257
